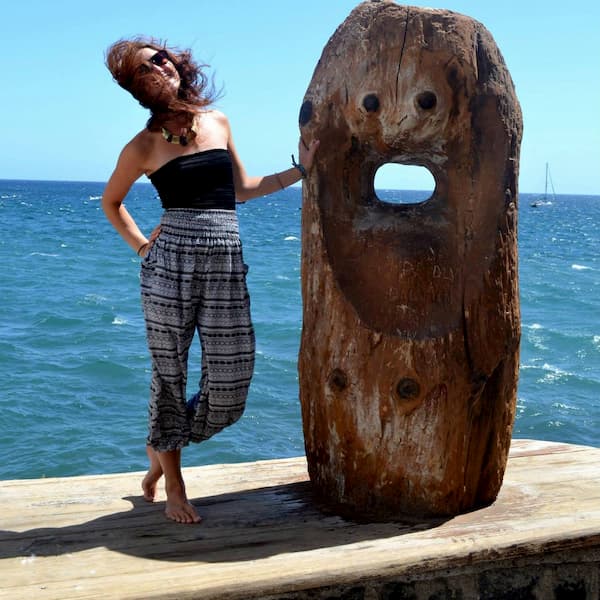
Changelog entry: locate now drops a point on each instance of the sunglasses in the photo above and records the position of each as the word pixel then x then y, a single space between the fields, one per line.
pixel 160 58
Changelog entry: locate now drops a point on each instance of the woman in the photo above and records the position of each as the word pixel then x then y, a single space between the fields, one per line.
pixel 192 274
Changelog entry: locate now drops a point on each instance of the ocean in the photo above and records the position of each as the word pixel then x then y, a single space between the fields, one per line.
pixel 74 370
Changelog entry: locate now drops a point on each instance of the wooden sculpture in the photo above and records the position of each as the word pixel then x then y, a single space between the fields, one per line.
pixel 410 343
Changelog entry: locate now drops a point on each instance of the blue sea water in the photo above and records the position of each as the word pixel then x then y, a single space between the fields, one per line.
pixel 74 371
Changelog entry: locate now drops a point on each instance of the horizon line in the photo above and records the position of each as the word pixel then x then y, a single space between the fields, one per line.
pixel 294 186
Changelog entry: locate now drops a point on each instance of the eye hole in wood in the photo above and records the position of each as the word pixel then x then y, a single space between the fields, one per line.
pixel 408 389
pixel 427 100
pixel 306 111
pixel 371 103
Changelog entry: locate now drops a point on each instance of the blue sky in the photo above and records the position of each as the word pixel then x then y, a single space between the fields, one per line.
pixel 64 118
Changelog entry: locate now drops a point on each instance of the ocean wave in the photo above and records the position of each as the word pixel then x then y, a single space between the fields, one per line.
pixel 94 299
pixel 291 238
pixel 574 338
pixel 537 337
pixel 119 321
pixel 59 321
pixel 553 374
pixel 576 267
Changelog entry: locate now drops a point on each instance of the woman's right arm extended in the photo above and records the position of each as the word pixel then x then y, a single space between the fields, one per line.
pixel 128 170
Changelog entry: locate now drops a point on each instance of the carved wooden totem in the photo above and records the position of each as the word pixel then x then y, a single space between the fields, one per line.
pixel 409 355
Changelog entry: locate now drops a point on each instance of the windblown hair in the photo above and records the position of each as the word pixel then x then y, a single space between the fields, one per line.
pixel 195 90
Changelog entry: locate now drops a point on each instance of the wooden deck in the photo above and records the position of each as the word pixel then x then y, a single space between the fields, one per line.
pixel 263 537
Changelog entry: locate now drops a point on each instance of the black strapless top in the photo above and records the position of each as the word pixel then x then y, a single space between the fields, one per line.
pixel 201 180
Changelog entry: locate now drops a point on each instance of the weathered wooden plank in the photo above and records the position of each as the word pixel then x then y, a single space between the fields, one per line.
pixel 89 537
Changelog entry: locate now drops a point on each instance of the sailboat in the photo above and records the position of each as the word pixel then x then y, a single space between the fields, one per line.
pixel 544 201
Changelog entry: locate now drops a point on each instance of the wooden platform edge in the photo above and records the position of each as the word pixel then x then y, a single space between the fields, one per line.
pixel 264 537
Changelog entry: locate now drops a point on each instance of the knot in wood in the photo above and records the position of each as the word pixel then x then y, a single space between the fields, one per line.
pixel 408 389
pixel 338 380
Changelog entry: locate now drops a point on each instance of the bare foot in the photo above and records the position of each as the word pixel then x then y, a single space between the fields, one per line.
pixel 152 476
pixel 178 508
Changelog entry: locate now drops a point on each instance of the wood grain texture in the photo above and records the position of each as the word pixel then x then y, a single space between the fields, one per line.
pixel 263 535
pixel 411 322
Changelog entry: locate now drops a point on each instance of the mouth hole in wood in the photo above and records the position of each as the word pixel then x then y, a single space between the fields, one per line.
pixel 403 184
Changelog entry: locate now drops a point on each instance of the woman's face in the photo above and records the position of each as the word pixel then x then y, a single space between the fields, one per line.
pixel 159 74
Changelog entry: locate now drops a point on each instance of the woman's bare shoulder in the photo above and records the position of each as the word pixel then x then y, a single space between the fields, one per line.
pixel 142 142
pixel 214 127
pixel 140 147
pixel 136 153
pixel 217 117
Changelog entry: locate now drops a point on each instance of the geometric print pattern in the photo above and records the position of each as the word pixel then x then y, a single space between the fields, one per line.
pixel 194 279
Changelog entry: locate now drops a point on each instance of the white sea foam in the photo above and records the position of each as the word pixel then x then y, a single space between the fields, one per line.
pixel 119 321
pixel 580 268
pixel 94 299
pixel 536 336
pixel 548 367
pixel 563 406
pixel 552 374
pixel 291 238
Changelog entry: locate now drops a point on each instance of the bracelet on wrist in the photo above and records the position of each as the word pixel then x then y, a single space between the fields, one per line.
pixel 299 166
pixel 140 248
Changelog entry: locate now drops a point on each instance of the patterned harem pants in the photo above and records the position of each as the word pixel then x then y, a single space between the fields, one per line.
pixel 194 278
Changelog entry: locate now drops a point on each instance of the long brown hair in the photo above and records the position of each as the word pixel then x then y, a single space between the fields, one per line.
pixel 196 91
